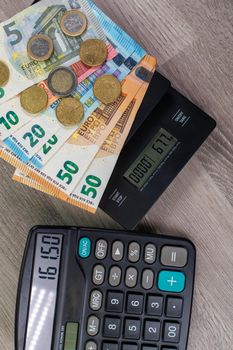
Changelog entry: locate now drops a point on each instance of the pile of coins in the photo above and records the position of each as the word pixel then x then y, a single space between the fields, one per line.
pixel 62 81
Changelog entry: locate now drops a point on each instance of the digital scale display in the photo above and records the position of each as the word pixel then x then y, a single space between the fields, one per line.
pixel 43 292
pixel 149 160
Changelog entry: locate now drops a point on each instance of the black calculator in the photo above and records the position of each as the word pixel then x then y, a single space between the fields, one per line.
pixel 95 289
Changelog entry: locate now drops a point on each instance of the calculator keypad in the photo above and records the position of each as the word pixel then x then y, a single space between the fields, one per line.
pixel 136 295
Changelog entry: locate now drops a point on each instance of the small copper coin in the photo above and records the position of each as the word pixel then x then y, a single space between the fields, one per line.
pixel 107 89
pixel 40 47
pixel 34 99
pixel 4 74
pixel 70 112
pixel 93 52
pixel 74 23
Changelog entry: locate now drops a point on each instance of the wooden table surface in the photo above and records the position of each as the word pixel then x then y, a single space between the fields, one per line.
pixel 193 41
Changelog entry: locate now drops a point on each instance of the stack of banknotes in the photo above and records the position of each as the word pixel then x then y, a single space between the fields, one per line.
pixel 71 84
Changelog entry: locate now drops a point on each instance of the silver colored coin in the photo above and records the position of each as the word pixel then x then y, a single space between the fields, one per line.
pixel 62 81
pixel 73 23
pixel 40 47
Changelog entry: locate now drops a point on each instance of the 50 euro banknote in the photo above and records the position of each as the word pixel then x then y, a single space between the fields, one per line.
pixel 145 71
pixel 89 191
pixel 43 18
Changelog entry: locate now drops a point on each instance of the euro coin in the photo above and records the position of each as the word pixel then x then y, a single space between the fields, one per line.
pixel 74 23
pixel 40 47
pixel 34 99
pixel 70 111
pixel 62 81
pixel 4 74
pixel 107 89
pixel 93 52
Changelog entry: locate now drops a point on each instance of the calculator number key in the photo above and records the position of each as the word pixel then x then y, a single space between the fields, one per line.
pixel 93 324
pixel 152 331
pixel 115 302
pixel 134 252
pixel 112 327
pixel 110 346
pixel 129 347
pixel 101 249
pixel 154 305
pixel 172 332
pixel 96 300
pixel 174 256
pixel 98 275
pixel 135 304
pixel 132 329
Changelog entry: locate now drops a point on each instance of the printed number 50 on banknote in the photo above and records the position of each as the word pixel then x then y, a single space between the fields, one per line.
pixel 41 18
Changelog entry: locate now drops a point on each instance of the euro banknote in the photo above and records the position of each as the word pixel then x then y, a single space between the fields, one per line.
pixel 43 18
pixel 63 172
pixel 89 191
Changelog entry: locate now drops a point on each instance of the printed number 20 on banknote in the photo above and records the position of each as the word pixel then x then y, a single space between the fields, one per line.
pixel 41 18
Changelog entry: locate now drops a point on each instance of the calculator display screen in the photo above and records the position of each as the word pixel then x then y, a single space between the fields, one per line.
pixel 150 159
pixel 43 292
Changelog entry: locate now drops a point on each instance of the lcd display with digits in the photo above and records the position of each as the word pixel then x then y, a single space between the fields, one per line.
pixel 43 292
pixel 150 159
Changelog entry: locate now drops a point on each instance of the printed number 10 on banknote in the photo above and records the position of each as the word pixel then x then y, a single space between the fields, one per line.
pixel 41 18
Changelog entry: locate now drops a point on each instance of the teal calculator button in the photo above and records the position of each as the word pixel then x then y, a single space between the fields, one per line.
pixel 171 281
pixel 84 249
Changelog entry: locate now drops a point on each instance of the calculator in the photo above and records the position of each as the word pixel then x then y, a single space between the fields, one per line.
pixel 95 289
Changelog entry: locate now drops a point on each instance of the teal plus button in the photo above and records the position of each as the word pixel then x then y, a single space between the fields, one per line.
pixel 171 281
pixel 84 249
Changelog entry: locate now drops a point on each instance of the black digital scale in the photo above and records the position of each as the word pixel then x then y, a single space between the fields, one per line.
pixel 94 289
pixel 168 130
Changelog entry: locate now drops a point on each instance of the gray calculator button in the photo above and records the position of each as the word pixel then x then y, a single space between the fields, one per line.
pixel 147 279
pixel 174 256
pixel 131 277
pixel 115 276
pixel 150 253
pixel 91 345
pixel 101 249
pixel 96 300
pixel 134 252
pixel 93 325
pixel 98 275
pixel 117 251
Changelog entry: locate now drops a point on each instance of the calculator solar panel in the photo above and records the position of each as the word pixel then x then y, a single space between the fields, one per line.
pixel 95 289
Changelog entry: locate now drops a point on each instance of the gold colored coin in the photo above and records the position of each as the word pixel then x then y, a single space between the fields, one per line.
pixel 4 74
pixel 70 111
pixel 107 89
pixel 74 23
pixel 34 99
pixel 93 52
pixel 40 47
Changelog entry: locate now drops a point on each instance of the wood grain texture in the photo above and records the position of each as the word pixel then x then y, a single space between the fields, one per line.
pixel 193 43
